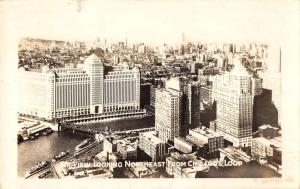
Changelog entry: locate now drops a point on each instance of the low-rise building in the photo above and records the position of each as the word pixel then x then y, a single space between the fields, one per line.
pixel 127 148
pixel 175 159
pixel 233 154
pixel 109 143
pixel 140 170
pixel 208 136
pixel 268 131
pixel 263 147
pixel 183 145
pixel 185 165
pixel 152 145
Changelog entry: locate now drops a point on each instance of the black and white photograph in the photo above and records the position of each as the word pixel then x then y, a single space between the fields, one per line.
pixel 144 90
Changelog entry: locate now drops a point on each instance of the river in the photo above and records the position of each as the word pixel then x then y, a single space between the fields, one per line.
pixel 31 152
pixel 45 147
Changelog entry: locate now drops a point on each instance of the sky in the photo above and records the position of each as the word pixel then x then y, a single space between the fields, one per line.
pixel 148 21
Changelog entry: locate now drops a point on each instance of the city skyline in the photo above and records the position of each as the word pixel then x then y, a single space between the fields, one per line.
pixel 95 91
pixel 202 99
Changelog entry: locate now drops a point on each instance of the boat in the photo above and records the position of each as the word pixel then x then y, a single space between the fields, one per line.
pixel 84 144
pixel 60 156
pixel 45 174
pixel 38 167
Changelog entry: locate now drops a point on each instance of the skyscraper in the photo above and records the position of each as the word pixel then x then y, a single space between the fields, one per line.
pixel 190 106
pixel 168 111
pixel 94 67
pixel 232 92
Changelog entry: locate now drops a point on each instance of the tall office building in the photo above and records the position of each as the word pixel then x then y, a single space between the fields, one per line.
pixel 94 67
pixel 168 110
pixel 233 94
pixel 190 106
pixel 81 90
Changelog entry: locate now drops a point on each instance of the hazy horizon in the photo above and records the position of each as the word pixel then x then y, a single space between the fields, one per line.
pixel 152 22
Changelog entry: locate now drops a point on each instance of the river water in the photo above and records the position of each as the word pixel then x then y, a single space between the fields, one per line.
pixel 31 152
pixel 45 147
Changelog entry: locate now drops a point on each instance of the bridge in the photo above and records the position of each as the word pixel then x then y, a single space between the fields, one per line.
pixel 86 129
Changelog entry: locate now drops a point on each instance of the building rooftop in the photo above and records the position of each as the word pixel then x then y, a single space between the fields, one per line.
pixel 125 144
pixel 196 141
pixel 274 141
pixel 209 133
pixel 191 171
pixel 267 126
pixel 92 59
pixel 152 136
pixel 236 154
pixel 175 156
pixel 184 140
pixel 170 91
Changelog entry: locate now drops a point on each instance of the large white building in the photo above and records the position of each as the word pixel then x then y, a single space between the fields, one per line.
pixel 233 93
pixel 168 111
pixel 122 89
pixel 82 90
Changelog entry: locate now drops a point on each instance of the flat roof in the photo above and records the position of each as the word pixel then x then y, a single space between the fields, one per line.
pixel 268 126
pixel 234 153
pixel 127 145
pixel 206 132
pixel 184 141
pixel 196 141
pixel 150 135
pixel 274 141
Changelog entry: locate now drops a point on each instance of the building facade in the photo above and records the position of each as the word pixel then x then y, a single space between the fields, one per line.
pixel 191 106
pixel 167 113
pixel 122 89
pixel 81 90
pixel 152 145
pixel 213 139
pixel 183 145
pixel 233 94
pixel 263 147
pixel 206 94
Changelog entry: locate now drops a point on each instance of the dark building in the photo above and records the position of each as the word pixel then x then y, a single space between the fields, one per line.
pixel 145 95
pixel 190 107
pixel 264 110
